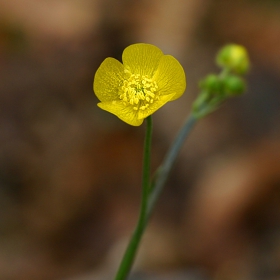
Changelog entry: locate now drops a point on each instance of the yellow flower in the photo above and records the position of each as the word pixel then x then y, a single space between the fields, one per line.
pixel 145 81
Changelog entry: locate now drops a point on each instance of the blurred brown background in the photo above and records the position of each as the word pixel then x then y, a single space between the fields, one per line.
pixel 70 173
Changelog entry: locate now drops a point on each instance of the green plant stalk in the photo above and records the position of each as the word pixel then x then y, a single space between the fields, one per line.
pixel 165 168
pixel 133 245
pixel 152 191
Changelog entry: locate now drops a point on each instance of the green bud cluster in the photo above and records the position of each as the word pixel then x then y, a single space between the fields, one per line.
pixel 215 89
pixel 228 85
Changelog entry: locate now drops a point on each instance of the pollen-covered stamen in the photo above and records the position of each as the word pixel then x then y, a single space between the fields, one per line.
pixel 138 91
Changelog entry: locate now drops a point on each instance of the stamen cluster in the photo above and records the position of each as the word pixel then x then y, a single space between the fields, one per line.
pixel 139 91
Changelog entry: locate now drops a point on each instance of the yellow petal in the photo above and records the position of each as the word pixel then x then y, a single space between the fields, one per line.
pixel 123 112
pixel 141 59
pixel 170 77
pixel 107 79
pixel 142 114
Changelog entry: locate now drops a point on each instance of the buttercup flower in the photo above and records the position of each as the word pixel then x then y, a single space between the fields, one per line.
pixel 145 81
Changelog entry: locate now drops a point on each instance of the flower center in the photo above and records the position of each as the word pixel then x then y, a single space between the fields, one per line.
pixel 138 91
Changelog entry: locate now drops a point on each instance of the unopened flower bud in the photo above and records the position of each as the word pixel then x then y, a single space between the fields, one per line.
pixel 211 83
pixel 234 85
pixel 235 58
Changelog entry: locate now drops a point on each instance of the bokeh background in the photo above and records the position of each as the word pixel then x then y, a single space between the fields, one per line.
pixel 70 173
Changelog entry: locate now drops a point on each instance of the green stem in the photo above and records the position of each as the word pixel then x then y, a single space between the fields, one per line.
pixel 164 169
pixel 151 192
pixel 133 245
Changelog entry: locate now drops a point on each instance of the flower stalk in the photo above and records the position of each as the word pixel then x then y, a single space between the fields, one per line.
pixel 152 190
pixel 164 169
pixel 133 245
